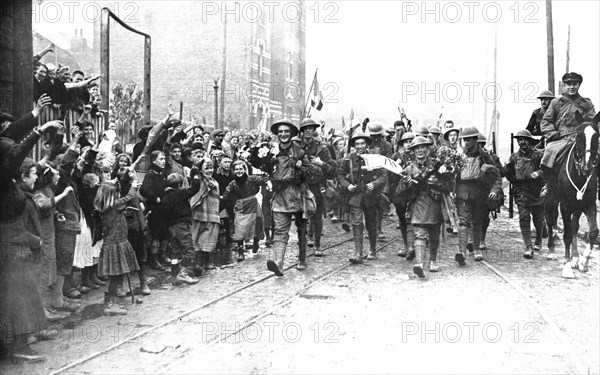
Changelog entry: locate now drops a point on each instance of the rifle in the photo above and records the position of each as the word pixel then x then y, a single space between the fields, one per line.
pixel 344 194
pixel 510 185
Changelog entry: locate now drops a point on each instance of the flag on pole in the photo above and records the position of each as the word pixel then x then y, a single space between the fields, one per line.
pixel 317 100
pixel 376 161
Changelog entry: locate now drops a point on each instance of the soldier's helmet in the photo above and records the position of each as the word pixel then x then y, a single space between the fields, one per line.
pixel 275 127
pixel 450 130
pixel 524 134
pixel 359 135
pixel 469 132
pixel 435 130
pixel 375 128
pixel 546 95
pixel 419 140
pixel 422 131
pixel 408 136
pixel 481 139
pixel 308 122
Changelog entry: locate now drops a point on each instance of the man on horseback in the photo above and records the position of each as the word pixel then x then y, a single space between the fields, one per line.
pixel 559 125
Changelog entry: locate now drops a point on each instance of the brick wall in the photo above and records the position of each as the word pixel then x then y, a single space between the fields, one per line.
pixel 16 70
pixel 187 56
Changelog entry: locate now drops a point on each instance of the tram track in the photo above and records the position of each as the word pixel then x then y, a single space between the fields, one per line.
pixel 178 318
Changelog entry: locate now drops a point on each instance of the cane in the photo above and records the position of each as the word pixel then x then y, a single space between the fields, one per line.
pixel 130 290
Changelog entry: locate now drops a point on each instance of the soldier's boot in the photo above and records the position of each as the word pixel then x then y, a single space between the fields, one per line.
pixel 277 255
pixel 372 246
pixel 420 251
pixel 357 258
pixel 301 256
pixel 459 257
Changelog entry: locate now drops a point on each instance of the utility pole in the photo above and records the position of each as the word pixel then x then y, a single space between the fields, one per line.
pixel 550 38
pixel 216 87
pixel 223 77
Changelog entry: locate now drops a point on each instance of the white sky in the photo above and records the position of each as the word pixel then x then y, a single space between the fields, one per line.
pixel 379 50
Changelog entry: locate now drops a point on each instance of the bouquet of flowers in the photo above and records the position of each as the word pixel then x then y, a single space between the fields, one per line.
pixel 262 154
pixel 446 161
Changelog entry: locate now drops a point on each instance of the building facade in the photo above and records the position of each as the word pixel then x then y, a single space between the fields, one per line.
pixel 257 53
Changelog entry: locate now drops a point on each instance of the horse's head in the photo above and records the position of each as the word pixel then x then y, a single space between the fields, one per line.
pixel 587 143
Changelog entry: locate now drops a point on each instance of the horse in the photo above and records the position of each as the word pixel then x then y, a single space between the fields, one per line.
pixel 577 188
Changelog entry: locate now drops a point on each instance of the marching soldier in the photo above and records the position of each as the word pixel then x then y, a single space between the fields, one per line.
pixel 425 208
pixel 382 147
pixel 559 124
pixel 287 196
pixel 318 155
pixel 399 195
pixel 365 188
pixel 523 170
pixel 473 183
pixel 535 121
pixel 435 135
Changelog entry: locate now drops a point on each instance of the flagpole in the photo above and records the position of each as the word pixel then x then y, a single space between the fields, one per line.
pixel 308 96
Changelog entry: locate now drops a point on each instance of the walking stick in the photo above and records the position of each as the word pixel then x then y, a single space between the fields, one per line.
pixel 130 290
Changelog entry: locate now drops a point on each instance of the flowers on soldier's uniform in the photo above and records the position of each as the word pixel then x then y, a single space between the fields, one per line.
pixel 447 160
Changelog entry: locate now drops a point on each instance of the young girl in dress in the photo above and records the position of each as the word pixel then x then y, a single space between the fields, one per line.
pixel 117 257
pixel 205 215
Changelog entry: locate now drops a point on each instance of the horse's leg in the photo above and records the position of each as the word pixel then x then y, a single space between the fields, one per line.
pixel 574 231
pixel 566 218
pixel 550 215
pixel 584 260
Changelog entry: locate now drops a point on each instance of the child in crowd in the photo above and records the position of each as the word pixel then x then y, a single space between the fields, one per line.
pixel 117 257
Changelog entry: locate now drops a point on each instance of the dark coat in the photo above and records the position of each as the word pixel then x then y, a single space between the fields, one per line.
pixel 176 204
pixel 518 170
pixel 361 197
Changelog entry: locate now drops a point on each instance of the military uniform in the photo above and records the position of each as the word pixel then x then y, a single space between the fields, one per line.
pixel 316 149
pixel 425 209
pixel 559 125
pixel 362 203
pixel 528 186
pixel 472 188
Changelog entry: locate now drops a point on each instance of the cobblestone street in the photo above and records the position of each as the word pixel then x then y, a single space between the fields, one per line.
pixel 372 318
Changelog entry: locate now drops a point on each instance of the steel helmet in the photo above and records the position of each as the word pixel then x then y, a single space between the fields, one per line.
pixel 450 130
pixel 422 131
pixel 419 140
pixel 481 139
pixel 524 134
pixel 469 132
pixel 359 135
pixel 375 128
pixel 275 126
pixel 409 136
pixel 435 130
pixel 546 94
pixel 308 122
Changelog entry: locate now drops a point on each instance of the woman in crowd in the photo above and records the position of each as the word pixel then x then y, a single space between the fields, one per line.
pixel 21 311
